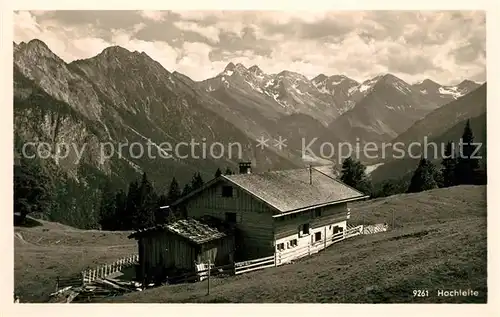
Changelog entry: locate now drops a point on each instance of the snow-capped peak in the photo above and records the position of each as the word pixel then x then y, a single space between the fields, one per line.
pixel 319 78
pixel 450 90
pixel 229 70
pixel 240 68
pixel 292 75
pixel 256 70
pixel 230 67
pixel 429 86
pixel 365 86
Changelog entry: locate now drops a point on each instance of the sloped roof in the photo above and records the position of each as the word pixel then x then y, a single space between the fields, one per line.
pixel 296 189
pixel 191 229
pixel 289 190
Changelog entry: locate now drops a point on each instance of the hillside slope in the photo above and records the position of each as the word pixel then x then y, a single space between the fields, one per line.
pixel 397 168
pixel 439 243
pixel 48 250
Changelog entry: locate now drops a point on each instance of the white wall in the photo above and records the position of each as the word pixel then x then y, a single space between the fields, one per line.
pixel 304 240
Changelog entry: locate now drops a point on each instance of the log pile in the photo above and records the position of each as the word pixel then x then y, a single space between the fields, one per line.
pixel 100 288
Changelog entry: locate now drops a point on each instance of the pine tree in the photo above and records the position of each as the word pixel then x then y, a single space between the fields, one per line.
pixel 174 191
pixel 354 174
pixel 161 213
pixel 162 201
pixel 121 211
pixel 33 189
pixel 132 205
pixel 449 163
pixel 186 190
pixel 147 205
pixel 107 208
pixel 423 178
pixel 197 181
pixel 218 173
pixel 228 171
pixel 467 165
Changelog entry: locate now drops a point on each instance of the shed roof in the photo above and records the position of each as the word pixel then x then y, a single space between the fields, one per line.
pixel 191 229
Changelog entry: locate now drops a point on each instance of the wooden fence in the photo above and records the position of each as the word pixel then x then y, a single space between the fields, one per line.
pixel 101 271
pixel 202 270
pixel 253 265
pixel 371 229
pixel 202 273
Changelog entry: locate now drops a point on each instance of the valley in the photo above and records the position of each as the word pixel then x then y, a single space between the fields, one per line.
pixel 309 157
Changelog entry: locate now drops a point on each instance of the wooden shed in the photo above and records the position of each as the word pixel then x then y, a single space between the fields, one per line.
pixel 178 246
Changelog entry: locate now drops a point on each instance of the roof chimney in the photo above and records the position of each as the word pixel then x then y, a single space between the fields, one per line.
pixel 245 167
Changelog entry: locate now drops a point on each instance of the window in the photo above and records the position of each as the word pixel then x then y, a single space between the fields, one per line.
pixel 293 216
pixel 231 217
pixel 280 246
pixel 227 191
pixel 304 229
pixel 337 232
pixel 293 243
pixel 317 236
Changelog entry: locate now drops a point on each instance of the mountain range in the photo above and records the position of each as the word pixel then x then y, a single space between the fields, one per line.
pixel 120 97
pixel 440 126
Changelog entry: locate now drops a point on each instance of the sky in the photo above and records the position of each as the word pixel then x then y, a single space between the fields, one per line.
pixel 445 46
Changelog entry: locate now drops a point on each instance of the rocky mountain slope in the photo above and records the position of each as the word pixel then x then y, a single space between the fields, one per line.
pixel 272 106
pixel 386 106
pixel 441 120
pixel 438 127
pixel 443 94
pixel 376 110
pixel 275 95
pixel 103 105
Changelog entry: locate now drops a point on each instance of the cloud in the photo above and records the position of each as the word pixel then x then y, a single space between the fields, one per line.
pixel 446 46
pixel 154 15
pixel 157 50
pixel 209 32
pixel 195 60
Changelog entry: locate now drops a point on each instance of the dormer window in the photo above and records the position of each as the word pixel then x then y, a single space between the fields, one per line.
pixel 227 191
pixel 317 213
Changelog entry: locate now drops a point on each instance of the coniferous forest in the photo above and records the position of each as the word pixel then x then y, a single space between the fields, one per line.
pixel 110 208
